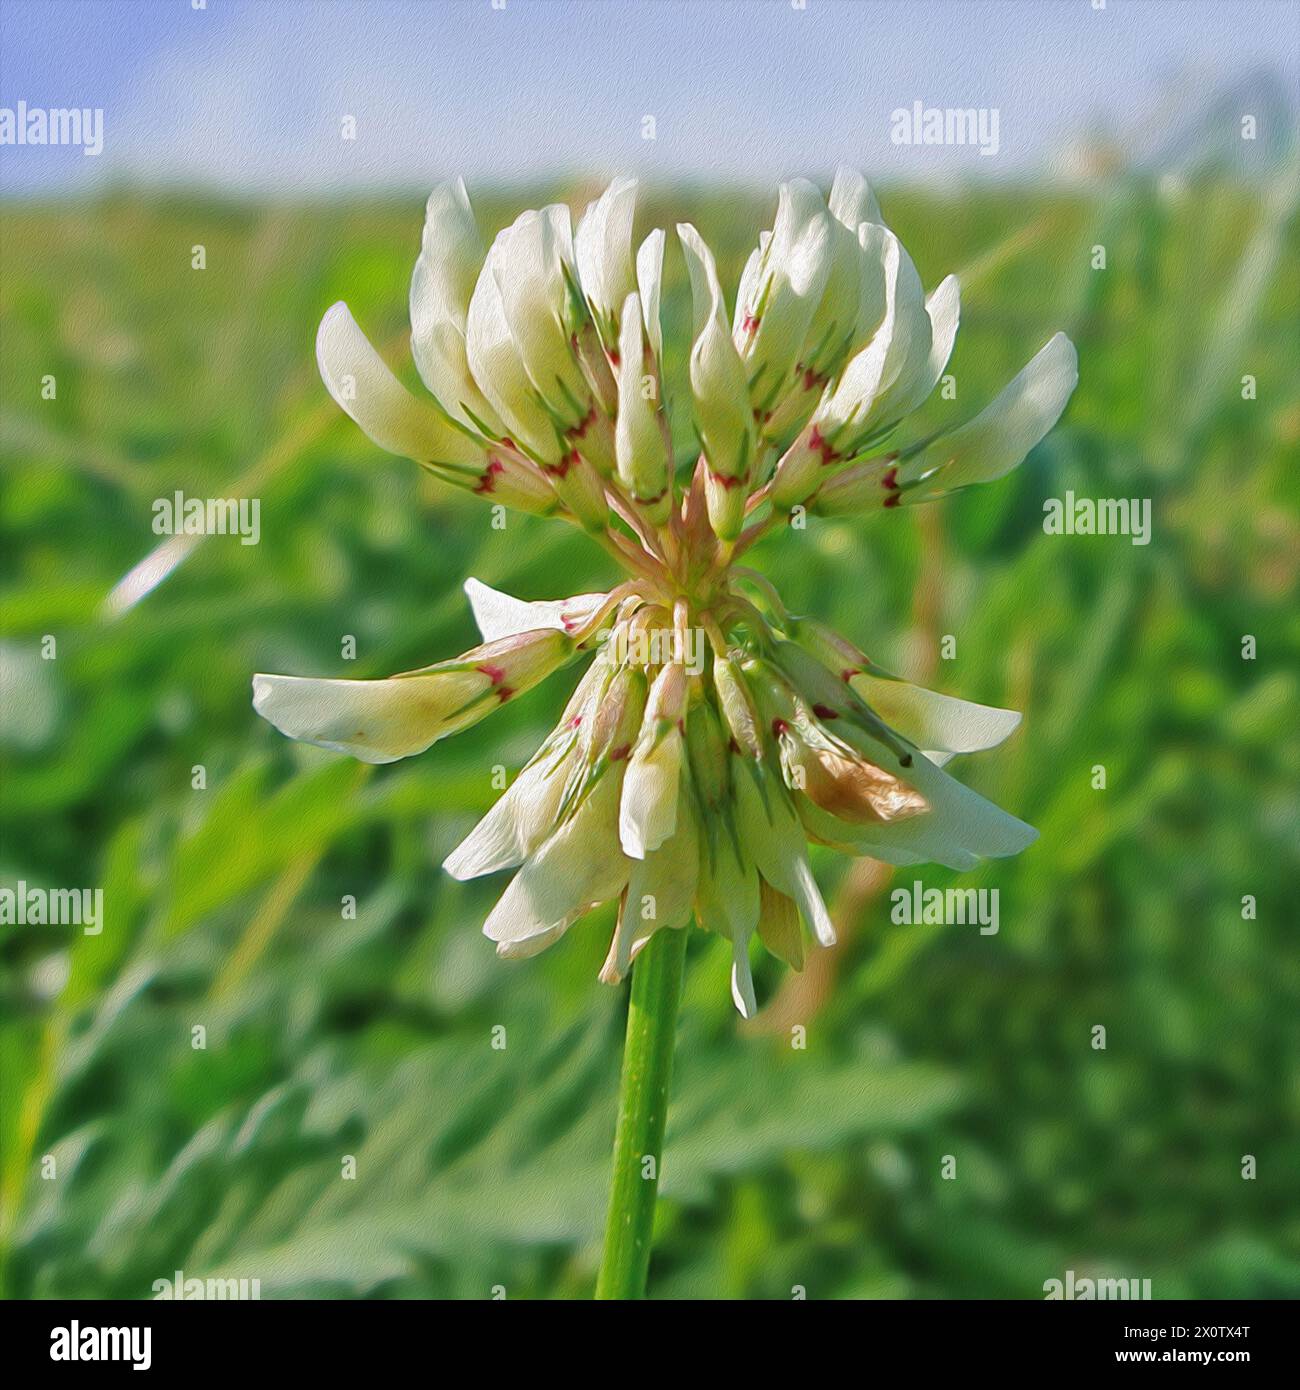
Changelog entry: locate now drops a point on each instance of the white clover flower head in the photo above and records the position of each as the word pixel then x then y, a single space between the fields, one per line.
pixel 713 735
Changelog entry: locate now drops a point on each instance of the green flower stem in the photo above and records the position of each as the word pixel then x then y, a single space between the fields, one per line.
pixel 642 1110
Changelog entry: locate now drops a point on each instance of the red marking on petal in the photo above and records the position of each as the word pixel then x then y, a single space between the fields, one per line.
pixel 620 752
pixel 614 358
pixel 779 727
pixel 849 672
pixel 495 674
pixel 583 425
pixel 726 483
pixel 821 446
pixel 825 712
pixel 749 324
pixel 893 499
pixel 504 693
pixel 487 483
pixel 890 477
pixel 561 469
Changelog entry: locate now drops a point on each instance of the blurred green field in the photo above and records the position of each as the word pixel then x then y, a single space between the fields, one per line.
pixel 478 1168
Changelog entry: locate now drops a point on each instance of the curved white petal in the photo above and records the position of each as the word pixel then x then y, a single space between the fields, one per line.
pixel 780 294
pixel 719 388
pixel 852 202
pixel 943 308
pixel 498 368
pixel 531 261
pixel 651 789
pixel 451 255
pixel 516 825
pixel 649 281
pixel 742 979
pixel 960 828
pixel 640 454
pixel 376 721
pixel 907 356
pixel 660 893
pixel 748 287
pixel 648 809
pixel 999 437
pixel 361 382
pixel 530 946
pixel 935 721
pixel 602 250
pixel 502 615
pixel 579 866
pixel 805 892
pixel 528 811
pixel 899 346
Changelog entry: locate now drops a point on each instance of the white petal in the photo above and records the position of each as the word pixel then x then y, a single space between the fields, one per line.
pixel 706 288
pixel 640 454
pixel 360 381
pixel 648 809
pixel 908 355
pixel 515 826
pixel 1000 436
pixel 528 811
pixel 747 289
pixel 502 615
pixel 960 828
pixel 602 249
pixel 662 884
pixel 578 867
pixel 742 979
pixel 649 280
pixel 377 721
pixel 789 281
pixel 852 202
pixel 811 903
pixel 877 381
pixel 531 945
pixel 719 384
pixel 451 254
pixel 932 720
pixel 528 261
pixel 499 370
pixel 943 308
pixel 960 825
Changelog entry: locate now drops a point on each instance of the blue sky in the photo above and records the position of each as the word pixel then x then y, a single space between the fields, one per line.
pixel 250 94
